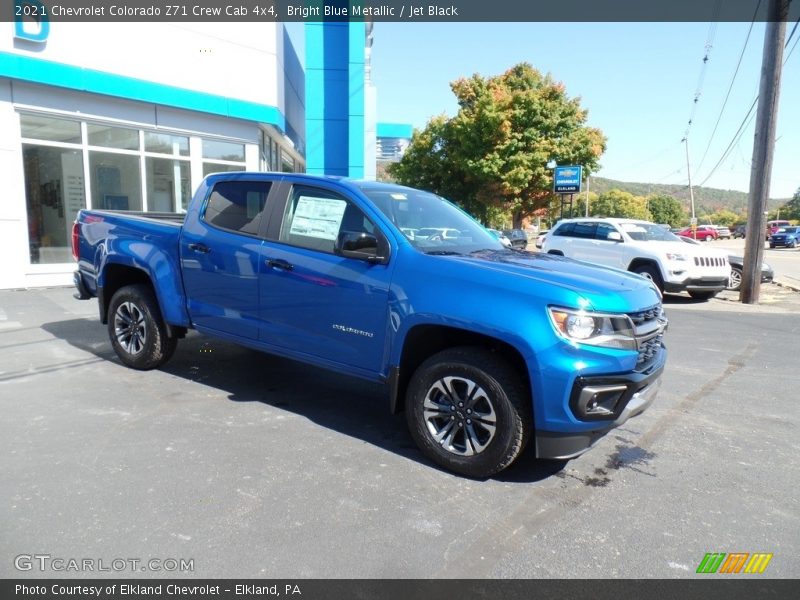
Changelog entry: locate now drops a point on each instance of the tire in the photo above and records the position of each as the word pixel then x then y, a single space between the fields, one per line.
pixel 735 282
pixel 650 272
pixel 703 295
pixel 446 393
pixel 707 238
pixel 136 328
pixel 793 244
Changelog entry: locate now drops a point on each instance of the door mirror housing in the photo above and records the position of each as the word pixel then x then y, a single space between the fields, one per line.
pixel 362 246
pixel 614 236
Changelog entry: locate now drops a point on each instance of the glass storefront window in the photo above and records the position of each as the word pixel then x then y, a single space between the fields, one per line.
pixel 113 137
pixel 116 181
pixel 54 193
pixel 165 143
pixel 47 128
pixel 209 168
pixel 287 163
pixel 167 184
pixel 218 150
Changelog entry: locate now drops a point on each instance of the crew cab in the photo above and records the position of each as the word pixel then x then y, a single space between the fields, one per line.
pixel 486 349
pixel 644 248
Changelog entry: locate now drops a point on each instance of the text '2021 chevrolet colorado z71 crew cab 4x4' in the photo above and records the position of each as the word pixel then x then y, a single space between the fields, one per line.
pixel 485 348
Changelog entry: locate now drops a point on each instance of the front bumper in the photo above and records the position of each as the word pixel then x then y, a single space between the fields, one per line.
pixel 697 284
pixel 607 400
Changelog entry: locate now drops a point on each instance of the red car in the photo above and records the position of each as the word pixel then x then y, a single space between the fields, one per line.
pixel 704 232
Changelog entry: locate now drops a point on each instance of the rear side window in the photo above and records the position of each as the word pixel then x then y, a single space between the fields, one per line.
pixel 565 230
pixel 237 205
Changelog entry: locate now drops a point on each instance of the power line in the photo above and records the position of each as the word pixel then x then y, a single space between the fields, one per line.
pixel 730 87
pixel 712 30
pixel 749 116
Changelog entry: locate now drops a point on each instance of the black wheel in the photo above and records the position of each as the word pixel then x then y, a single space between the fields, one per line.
pixel 735 281
pixel 469 411
pixel 703 295
pixel 137 330
pixel 650 272
pixel 793 244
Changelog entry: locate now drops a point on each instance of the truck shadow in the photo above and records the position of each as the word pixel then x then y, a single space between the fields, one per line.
pixel 350 406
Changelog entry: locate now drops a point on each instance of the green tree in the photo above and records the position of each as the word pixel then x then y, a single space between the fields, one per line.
pixel 791 210
pixel 494 152
pixel 666 209
pixel 723 217
pixel 616 203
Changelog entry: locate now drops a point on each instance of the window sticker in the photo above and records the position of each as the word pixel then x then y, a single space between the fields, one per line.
pixel 319 218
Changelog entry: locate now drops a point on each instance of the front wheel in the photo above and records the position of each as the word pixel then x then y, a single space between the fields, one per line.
pixel 468 411
pixel 735 281
pixel 650 272
pixel 137 331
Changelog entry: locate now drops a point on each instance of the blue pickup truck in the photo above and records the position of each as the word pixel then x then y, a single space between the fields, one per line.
pixel 485 348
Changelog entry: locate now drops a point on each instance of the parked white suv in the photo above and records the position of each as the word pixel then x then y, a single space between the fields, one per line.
pixel 644 248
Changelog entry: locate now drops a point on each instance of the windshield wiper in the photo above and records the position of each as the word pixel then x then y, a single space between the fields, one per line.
pixel 444 253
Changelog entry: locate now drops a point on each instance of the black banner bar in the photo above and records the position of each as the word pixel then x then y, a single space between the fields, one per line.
pixel 712 587
pixel 446 11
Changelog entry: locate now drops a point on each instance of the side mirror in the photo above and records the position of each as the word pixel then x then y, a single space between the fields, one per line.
pixel 361 246
pixel 614 236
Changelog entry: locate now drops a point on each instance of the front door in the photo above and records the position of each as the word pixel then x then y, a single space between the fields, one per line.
pixel 313 301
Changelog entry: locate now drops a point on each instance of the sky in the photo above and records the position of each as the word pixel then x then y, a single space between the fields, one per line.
pixel 637 80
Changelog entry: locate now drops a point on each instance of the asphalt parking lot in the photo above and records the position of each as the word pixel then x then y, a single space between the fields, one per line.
pixel 256 466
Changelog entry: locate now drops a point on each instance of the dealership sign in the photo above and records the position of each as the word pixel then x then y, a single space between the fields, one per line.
pixel 567 180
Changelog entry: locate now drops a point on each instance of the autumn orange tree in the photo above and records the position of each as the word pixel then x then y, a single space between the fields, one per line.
pixel 493 154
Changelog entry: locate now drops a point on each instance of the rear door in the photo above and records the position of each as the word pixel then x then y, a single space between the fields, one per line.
pixel 313 301
pixel 220 251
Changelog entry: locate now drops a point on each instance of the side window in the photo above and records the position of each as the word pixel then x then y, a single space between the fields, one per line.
pixel 314 218
pixel 584 230
pixel 565 230
pixel 237 205
pixel 602 231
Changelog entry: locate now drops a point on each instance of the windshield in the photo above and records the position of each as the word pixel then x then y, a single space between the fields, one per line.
pixel 648 232
pixel 432 224
pixel 788 229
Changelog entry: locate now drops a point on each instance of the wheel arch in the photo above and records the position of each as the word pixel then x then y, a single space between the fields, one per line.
pixel 424 340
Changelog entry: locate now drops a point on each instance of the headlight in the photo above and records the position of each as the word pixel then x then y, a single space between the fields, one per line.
pixel 672 256
pixel 595 329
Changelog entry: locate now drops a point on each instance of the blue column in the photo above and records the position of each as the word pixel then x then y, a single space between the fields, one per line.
pixel 335 98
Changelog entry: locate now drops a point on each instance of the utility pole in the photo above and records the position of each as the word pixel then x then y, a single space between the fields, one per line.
pixel 763 148
pixel 587 196
pixel 689 174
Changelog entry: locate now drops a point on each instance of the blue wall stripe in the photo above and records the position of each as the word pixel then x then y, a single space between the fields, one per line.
pixel 97 82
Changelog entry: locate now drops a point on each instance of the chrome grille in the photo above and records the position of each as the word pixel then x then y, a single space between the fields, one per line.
pixel 706 261
pixel 649 326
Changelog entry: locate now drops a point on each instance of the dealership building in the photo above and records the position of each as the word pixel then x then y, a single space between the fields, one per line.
pixel 125 117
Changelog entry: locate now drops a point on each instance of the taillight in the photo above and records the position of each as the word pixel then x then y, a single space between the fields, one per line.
pixel 76 242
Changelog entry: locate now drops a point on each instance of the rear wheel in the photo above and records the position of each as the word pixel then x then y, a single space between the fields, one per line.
pixel 469 411
pixel 137 330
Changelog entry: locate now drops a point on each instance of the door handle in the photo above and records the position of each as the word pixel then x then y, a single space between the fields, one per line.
pixel 279 263
pixel 202 248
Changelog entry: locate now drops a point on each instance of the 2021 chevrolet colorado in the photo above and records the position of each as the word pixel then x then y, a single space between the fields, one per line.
pixel 485 348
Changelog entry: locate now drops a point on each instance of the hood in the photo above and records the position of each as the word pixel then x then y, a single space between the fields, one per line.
pixel 604 288
pixel 699 249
